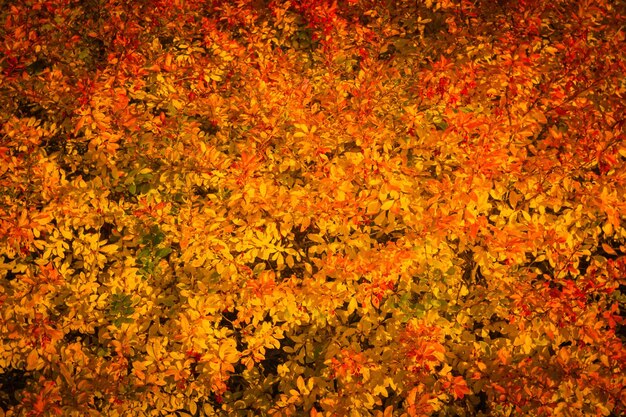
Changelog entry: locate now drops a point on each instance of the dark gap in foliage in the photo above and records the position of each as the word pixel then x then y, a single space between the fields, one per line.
pixel 12 381
pixel 38 66
pixel 385 238
pixel 202 191
pixel 106 230
pixel 365 344
pixel 300 238
pixel 273 358
pixel 237 382
pixel 215 400
pixel 472 274
pixel 228 318
pixel 9 275
pixel 298 270
pixel 480 402
pixel 583 265
pixel 495 334
pixel 28 109
pixel 54 144
pixel 81 148
pixel 276 357
pixel 77 336
pixel 61 309
pixel 392 399
pixel 209 127
pixel 166 41
pixel 353 318
pixel 94 53
pixel 387 53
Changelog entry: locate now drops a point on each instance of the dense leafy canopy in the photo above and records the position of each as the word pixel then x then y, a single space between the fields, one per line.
pixel 306 207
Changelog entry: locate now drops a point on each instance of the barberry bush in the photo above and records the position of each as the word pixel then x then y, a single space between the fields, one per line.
pixel 312 207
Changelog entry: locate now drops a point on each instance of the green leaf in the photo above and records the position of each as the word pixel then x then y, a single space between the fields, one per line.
pixel 163 252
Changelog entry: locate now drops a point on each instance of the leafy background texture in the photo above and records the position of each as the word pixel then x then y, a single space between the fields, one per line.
pixel 312 208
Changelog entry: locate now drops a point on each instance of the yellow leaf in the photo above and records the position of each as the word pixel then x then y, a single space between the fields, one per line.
pixel 110 249
pixel 228 353
pixel 303 127
pixel 528 345
pixel 300 384
pixel 380 390
pixel 66 233
pixel 32 361
pixel 605 360
pixel 352 305
pixel 373 207
pixel 42 219
pixel 306 222
pixel 411 110
pixel 495 194
pixel 177 104
pixel 387 205
pixel 150 350
pixel 316 238
pixel 193 407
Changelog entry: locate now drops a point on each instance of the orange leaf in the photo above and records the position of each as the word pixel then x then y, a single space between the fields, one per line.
pixel 460 387
pixel 608 249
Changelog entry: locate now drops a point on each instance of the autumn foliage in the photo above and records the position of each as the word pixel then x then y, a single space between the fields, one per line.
pixel 312 207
